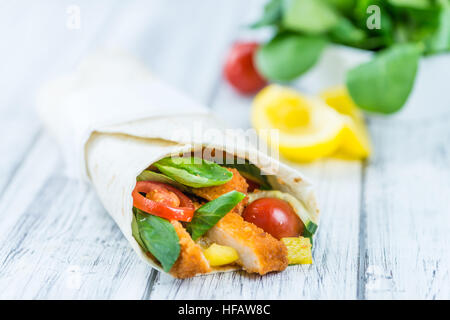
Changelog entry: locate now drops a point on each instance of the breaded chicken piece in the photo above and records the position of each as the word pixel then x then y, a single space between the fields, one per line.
pixel 258 251
pixel 237 183
pixel 191 260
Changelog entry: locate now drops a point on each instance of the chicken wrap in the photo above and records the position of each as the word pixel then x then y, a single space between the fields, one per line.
pixel 189 204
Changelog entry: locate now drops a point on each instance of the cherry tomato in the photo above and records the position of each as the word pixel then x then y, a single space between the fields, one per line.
pixel 275 216
pixel 162 202
pixel 164 196
pixel 240 70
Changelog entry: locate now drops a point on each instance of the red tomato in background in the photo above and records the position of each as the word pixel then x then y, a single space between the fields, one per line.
pixel 240 70
pixel 275 216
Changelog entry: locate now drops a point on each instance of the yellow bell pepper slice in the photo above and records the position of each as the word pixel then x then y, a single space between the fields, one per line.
pixel 299 250
pixel 218 255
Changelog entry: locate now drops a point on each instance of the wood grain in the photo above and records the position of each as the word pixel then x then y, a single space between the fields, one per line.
pixel 407 208
pixel 58 253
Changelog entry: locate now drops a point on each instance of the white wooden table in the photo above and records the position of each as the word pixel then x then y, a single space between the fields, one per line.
pixel 385 228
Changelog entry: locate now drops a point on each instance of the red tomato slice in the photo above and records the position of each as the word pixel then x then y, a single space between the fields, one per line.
pixel 162 205
pixel 240 70
pixel 275 216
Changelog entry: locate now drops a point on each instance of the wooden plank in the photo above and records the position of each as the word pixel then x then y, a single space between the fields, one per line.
pixel 54 248
pixel 406 203
pixel 407 208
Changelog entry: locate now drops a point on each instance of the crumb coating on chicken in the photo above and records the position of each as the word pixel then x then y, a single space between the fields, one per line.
pixel 191 260
pixel 237 183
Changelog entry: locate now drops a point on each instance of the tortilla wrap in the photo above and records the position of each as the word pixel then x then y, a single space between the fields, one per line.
pixel 113 120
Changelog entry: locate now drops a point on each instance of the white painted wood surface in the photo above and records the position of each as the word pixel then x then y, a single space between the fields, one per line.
pixel 385 224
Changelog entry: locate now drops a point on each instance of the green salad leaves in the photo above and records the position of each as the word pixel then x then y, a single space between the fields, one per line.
pixel 309 16
pixel 193 172
pixel 157 236
pixel 148 175
pixel 287 56
pixel 375 85
pixel 400 30
pixel 210 213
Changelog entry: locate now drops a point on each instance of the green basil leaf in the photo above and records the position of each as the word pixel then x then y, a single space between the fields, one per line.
pixel 272 14
pixel 307 234
pixel 194 172
pixel 210 213
pixel 345 32
pixel 251 172
pixel 309 16
pixel 439 40
pixel 416 4
pixel 384 83
pixel 148 175
pixel 424 22
pixel 135 230
pixel 344 6
pixel 159 238
pixel 287 56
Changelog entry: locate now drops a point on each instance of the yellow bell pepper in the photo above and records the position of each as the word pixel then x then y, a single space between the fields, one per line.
pixel 299 250
pixel 218 255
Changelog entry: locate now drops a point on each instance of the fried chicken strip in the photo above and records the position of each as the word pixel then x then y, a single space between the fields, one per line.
pixel 258 251
pixel 237 183
pixel 191 260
